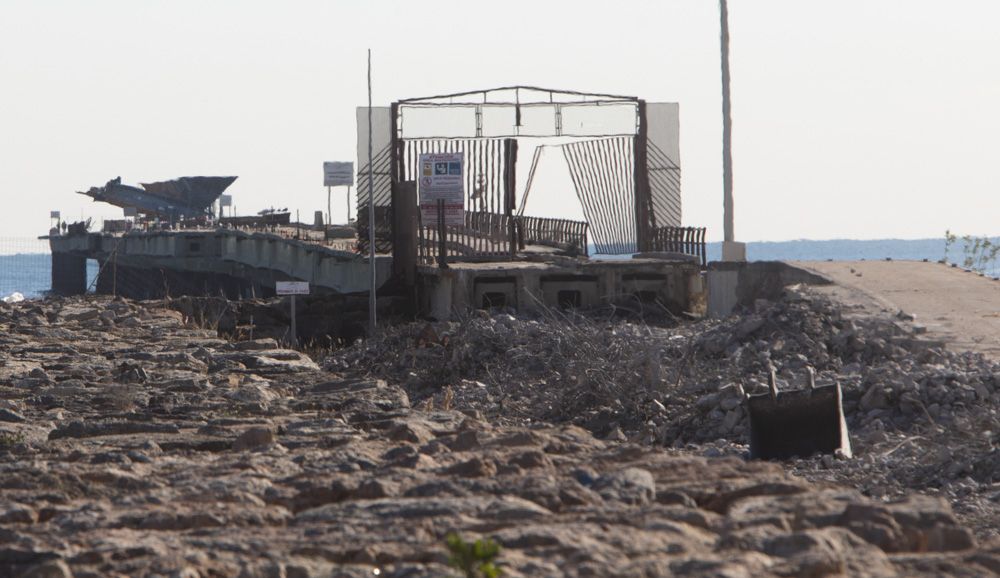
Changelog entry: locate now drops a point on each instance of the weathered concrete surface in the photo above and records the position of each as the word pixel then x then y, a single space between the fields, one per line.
pixel 257 259
pixel 739 284
pixel 959 308
pixel 528 286
pixel 133 445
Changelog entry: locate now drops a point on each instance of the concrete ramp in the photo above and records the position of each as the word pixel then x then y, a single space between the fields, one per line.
pixel 955 306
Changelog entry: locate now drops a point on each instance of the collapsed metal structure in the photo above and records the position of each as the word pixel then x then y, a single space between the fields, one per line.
pixel 620 151
pixel 184 197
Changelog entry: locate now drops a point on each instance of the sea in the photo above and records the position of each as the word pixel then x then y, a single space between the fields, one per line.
pixel 29 273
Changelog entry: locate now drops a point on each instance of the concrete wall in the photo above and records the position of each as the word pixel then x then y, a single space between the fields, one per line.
pixel 529 286
pixel 734 285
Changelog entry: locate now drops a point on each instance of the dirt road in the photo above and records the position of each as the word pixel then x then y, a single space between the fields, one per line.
pixel 960 308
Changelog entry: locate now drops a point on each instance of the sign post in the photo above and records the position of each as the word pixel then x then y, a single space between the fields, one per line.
pixel 338 174
pixel 292 288
pixel 225 201
pixel 442 179
pixel 442 195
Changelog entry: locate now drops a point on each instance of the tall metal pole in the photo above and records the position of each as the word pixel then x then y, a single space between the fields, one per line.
pixel 348 217
pixel 329 210
pixel 727 130
pixel 371 208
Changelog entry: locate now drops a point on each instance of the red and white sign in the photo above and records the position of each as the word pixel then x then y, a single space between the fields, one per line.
pixel 441 177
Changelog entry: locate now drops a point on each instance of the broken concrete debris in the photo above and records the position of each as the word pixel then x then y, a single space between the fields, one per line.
pixel 224 458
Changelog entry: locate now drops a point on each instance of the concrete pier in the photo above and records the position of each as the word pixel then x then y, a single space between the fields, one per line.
pixel 226 262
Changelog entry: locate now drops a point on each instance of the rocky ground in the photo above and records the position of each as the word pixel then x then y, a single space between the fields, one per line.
pixel 133 443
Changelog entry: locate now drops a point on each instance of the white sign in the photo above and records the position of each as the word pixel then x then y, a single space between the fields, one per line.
pixel 291 287
pixel 441 177
pixel 336 174
pixel 226 201
pixel 54 214
pixel 130 212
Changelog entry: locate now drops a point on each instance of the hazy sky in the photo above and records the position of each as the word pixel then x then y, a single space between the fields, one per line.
pixel 852 119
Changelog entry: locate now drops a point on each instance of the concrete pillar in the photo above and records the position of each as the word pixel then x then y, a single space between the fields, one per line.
pixel 734 251
pixel 722 291
pixel 69 274
pixel 440 297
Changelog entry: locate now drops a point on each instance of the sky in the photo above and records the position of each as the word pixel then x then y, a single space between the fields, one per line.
pixel 852 119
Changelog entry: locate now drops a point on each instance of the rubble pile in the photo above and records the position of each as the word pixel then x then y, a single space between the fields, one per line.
pixel 921 416
pixel 133 443
pixel 562 367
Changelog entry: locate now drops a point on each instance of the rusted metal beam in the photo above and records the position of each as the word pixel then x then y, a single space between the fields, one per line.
pixel 642 199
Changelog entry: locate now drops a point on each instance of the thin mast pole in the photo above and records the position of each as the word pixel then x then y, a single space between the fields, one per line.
pixel 371 209
pixel 727 129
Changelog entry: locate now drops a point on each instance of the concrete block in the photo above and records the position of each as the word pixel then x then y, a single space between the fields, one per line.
pixel 733 251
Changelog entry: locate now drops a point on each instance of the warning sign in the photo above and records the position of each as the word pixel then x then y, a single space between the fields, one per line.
pixel 442 179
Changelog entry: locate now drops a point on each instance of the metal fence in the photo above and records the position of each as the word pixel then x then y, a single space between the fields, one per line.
pixel 488 236
pixel 483 237
pixel 570 236
pixel 684 240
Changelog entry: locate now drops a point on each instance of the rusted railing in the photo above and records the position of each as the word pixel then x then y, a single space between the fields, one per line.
pixel 560 233
pixel 257 222
pixel 488 236
pixel 483 237
pixel 685 240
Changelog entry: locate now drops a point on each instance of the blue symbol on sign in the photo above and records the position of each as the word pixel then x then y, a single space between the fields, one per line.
pixel 454 168
pixel 440 168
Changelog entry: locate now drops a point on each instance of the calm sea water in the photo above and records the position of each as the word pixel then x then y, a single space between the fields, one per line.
pixel 841 250
pixel 31 273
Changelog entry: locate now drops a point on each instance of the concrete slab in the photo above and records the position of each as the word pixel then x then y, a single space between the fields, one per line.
pixel 957 307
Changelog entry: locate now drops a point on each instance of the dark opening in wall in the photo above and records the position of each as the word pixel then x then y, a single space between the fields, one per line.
pixel 646 296
pixel 194 246
pixel 494 299
pixel 569 299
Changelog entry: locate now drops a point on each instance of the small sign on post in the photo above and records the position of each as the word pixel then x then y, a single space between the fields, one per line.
pixel 54 214
pixel 130 212
pixel 292 288
pixel 337 174
pixel 225 201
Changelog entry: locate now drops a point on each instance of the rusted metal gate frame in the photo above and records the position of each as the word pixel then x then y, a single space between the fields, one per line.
pixel 644 220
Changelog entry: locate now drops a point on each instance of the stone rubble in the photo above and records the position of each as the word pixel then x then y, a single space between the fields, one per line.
pixel 922 417
pixel 133 443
